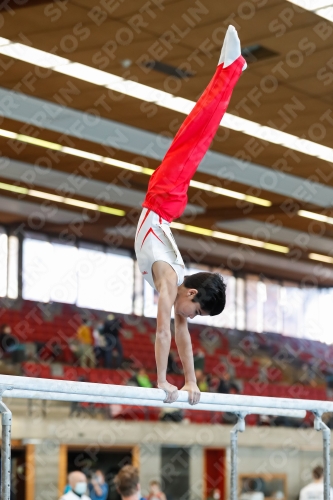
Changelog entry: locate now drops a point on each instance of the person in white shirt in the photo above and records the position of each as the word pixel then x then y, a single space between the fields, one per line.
pixel 315 490
pixel 252 491
pixel 78 487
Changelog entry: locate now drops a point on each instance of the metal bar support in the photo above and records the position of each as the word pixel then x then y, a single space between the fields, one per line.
pixel 239 427
pixel 319 425
pixel 6 420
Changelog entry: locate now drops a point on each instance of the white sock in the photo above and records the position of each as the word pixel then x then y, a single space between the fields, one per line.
pixel 231 49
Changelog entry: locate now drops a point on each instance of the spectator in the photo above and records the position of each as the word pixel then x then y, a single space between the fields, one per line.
pixel 215 494
pixel 199 360
pixel 227 386
pixel 8 343
pixel 99 340
pixel 173 366
pixel 78 487
pixel 67 487
pixel 201 381
pixel 169 414
pixel 111 331
pixel 127 483
pixel 231 418
pixel 98 489
pixel 85 350
pixel 142 379
pixel 252 491
pixel 315 490
pixel 155 492
pixel 213 383
pixel 224 385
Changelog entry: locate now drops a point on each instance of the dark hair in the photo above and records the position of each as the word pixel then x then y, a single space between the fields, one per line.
pixel 127 480
pixel 252 485
pixel 318 472
pixel 211 291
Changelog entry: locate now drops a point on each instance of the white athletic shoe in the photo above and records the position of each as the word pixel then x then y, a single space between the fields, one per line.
pixel 231 49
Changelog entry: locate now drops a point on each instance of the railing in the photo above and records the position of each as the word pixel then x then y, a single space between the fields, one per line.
pixel 60 390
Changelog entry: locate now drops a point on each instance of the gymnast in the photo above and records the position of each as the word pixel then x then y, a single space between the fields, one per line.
pixel 157 253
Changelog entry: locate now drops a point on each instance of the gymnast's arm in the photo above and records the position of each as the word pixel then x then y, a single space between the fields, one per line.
pixel 184 346
pixel 165 280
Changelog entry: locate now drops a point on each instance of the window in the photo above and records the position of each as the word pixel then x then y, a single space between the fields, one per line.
pixel 150 299
pixel 37 262
pixel 291 302
pixel 49 271
pixel 325 315
pixel 138 290
pixel 119 283
pixel 316 313
pixel 63 279
pixel 87 276
pixel 240 304
pixel 105 281
pixel 254 296
pixel 272 321
pixel 13 256
pixel 3 262
pixel 109 280
pixel 227 318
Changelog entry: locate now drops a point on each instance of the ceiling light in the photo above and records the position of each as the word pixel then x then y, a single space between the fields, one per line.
pixel 323 8
pixel 61 199
pixel 147 171
pixel 137 90
pixel 8 134
pixel 37 142
pixel 122 164
pixel 126 63
pixel 88 74
pixel 248 241
pixel 81 204
pixel 314 216
pixel 112 211
pixel 276 248
pixel 125 165
pixel 82 154
pixel 216 189
pixel 225 236
pixel 229 237
pixel 321 258
pixel 32 55
pixel 230 193
pixel 311 4
pixel 13 188
pixel 4 41
pixel 325 13
pixel 46 196
pixel 192 229
pixel 164 99
pixel 258 201
pixel 179 104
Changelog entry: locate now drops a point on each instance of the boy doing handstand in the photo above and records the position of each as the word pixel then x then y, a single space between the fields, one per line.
pixel 157 253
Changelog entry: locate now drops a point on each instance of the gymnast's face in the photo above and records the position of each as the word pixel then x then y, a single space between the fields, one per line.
pixel 184 305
